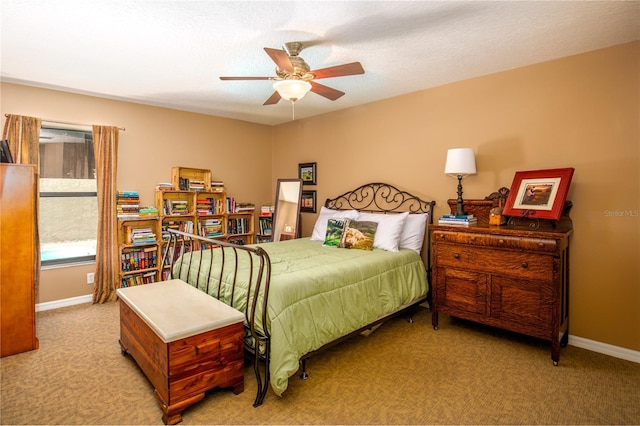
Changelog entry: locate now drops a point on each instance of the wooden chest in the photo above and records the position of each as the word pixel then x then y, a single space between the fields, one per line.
pixel 185 342
pixel 517 280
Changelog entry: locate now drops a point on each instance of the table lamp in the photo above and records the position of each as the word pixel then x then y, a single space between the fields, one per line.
pixel 460 162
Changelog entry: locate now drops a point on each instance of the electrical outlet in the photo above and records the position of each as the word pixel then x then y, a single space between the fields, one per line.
pixel 90 276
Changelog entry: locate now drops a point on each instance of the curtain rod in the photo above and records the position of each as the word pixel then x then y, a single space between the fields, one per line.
pixel 69 123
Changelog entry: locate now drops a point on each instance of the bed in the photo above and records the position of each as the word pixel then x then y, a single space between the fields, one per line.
pixel 301 296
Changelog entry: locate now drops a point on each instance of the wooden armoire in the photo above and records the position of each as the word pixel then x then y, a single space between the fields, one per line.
pixel 19 260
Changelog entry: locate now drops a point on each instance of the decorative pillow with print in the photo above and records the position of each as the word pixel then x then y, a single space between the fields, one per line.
pixel 359 235
pixel 335 231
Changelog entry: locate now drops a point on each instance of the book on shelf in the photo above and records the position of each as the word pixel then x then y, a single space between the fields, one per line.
pixel 180 225
pixel 135 259
pixel 238 225
pixel 238 241
pixel 148 212
pixel 139 236
pixel 266 210
pixel 164 186
pixel 210 228
pixel 265 226
pixel 175 207
pixel 186 184
pixel 245 207
pixel 217 186
pixel 231 205
pixel 208 206
pixel 127 204
pixel 139 279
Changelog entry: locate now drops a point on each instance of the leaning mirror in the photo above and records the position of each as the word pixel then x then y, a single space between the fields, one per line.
pixel 286 215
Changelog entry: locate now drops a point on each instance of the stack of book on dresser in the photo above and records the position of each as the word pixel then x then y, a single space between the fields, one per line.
pixel 458 220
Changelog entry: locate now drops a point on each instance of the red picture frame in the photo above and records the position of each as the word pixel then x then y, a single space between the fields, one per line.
pixel 539 194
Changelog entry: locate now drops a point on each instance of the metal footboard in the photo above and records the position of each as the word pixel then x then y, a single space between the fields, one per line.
pixel 234 274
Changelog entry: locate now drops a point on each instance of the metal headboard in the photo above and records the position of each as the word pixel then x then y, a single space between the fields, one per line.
pixel 384 198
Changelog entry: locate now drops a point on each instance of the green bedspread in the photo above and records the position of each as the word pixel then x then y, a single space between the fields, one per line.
pixel 320 293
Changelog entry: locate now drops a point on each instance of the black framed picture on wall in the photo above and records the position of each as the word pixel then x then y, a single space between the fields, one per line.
pixel 308 201
pixel 307 172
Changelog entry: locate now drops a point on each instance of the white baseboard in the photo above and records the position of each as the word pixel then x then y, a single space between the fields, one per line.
pixel 605 348
pixel 56 304
pixel 579 342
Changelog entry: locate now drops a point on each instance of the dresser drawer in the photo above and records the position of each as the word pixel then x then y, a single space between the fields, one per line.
pixel 495 261
pixel 500 241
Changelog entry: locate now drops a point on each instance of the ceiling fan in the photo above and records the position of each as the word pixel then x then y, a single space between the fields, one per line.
pixel 294 78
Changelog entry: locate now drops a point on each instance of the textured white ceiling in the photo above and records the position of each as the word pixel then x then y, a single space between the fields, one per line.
pixel 171 53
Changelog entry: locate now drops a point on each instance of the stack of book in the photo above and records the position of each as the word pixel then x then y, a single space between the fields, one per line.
pixel 245 207
pixel 127 204
pixel 164 186
pixel 175 207
pixel 210 228
pixel 217 186
pixel 205 206
pixel 139 236
pixel 458 220
pixel 266 211
pixel 148 212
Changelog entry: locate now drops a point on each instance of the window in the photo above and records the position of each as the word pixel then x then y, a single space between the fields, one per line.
pixel 68 195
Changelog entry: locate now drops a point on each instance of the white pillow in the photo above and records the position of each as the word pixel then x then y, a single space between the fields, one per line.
pixel 389 229
pixel 412 235
pixel 320 228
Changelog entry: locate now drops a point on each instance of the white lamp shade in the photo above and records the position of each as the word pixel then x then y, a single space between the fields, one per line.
pixel 460 162
pixel 292 90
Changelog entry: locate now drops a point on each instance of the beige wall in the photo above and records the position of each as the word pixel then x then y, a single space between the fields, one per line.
pixel 581 112
pixel 154 140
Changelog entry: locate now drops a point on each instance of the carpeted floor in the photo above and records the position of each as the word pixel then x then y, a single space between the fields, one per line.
pixel 400 374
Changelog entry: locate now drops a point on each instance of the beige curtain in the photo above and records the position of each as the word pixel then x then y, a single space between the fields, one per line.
pixel 105 144
pixel 23 134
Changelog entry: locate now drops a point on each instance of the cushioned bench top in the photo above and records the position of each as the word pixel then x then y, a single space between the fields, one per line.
pixel 175 310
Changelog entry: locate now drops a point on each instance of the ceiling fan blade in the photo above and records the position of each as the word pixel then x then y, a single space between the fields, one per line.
pixel 325 91
pixel 280 57
pixel 246 78
pixel 339 70
pixel 274 99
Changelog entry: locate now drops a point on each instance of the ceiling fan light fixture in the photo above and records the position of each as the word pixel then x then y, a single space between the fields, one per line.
pixel 292 90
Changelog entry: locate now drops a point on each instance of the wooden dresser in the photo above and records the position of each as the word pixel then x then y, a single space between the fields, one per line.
pixel 19 262
pixel 509 277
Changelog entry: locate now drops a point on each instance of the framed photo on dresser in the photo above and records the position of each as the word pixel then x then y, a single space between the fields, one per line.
pixel 539 194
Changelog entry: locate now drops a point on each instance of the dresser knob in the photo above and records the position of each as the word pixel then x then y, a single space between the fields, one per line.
pixel 456 255
pixel 541 245
pixel 442 236
pixel 500 241
pixel 525 265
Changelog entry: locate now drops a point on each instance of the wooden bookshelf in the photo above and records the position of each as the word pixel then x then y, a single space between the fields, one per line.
pixel 189 179
pixel 240 227
pixel 139 248
pixel 206 210
pixel 264 233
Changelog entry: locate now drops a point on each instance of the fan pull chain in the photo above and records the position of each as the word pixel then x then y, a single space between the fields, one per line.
pixel 293 110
